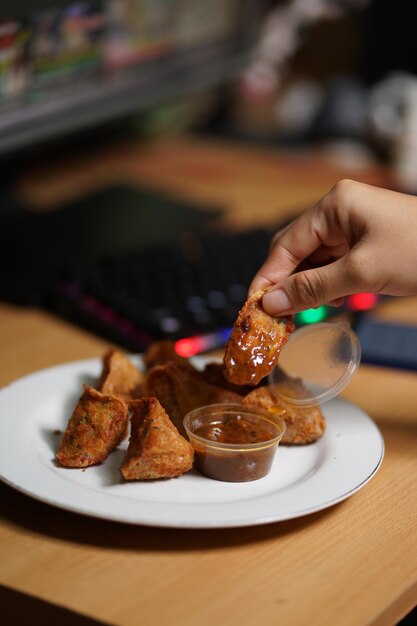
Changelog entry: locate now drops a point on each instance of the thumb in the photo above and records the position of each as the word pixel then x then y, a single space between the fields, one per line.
pixel 309 289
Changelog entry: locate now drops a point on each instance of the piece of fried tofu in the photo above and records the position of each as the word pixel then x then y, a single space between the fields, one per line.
pixel 181 390
pixel 97 425
pixel 161 352
pixel 255 343
pixel 120 377
pixel 156 449
pixel 305 424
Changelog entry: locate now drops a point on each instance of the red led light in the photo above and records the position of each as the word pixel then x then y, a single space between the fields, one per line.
pixel 188 346
pixel 362 301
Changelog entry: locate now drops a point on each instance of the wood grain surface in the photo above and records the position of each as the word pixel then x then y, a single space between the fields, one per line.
pixel 354 564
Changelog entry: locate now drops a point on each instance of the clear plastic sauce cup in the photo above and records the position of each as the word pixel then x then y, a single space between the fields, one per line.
pixel 234 442
pixel 324 356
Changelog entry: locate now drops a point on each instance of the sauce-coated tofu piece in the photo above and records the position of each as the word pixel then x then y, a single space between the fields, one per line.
pixel 255 343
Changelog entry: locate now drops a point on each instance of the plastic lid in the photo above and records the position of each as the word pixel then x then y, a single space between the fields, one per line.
pixel 324 356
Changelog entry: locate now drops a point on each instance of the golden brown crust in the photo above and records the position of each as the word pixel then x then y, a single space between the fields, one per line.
pixel 255 343
pixel 304 424
pixel 120 377
pixel 180 390
pixel 156 449
pixel 97 425
pixel 160 352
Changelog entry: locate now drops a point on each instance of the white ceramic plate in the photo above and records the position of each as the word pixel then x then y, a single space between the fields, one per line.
pixel 303 479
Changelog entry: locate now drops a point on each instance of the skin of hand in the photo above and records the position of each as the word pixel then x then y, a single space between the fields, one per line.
pixel 357 238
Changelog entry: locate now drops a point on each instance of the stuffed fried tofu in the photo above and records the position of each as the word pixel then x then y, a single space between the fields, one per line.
pixel 255 343
pixel 161 352
pixel 97 425
pixel 304 424
pixel 181 390
pixel 120 377
pixel 156 449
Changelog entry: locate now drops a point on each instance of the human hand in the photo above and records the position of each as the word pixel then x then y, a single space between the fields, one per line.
pixel 357 238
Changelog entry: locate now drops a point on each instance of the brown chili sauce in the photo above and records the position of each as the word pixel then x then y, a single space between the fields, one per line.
pixel 235 429
pixel 238 465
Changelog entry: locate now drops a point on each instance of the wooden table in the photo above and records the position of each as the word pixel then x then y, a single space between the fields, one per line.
pixel 352 564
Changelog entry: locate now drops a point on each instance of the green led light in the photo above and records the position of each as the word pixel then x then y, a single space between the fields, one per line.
pixel 312 315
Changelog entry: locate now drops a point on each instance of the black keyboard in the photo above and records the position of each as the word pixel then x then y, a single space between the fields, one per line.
pixel 195 287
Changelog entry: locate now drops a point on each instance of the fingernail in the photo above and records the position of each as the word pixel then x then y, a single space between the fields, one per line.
pixel 260 284
pixel 276 301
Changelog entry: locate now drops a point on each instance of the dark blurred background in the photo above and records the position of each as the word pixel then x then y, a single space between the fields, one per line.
pixel 289 72
pixel 335 73
pixel 76 77
pixel 66 65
